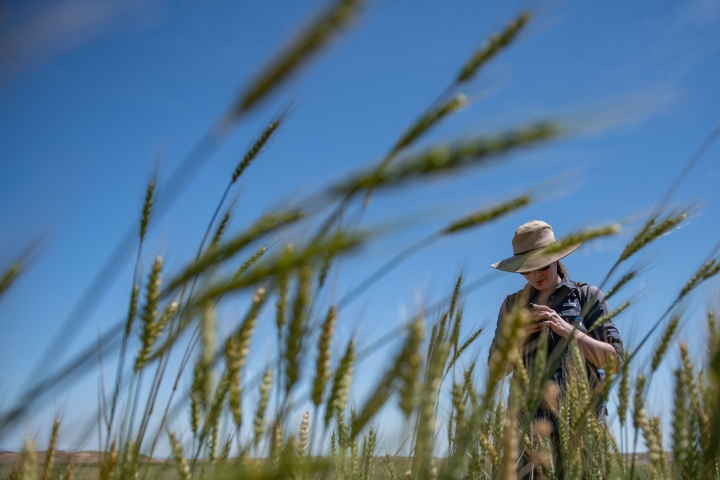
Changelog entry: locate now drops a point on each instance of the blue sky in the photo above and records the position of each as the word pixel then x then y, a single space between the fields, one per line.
pixel 87 105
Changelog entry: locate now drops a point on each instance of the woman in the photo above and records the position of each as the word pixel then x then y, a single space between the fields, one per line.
pixel 559 306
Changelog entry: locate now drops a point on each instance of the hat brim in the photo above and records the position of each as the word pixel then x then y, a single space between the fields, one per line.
pixel 534 260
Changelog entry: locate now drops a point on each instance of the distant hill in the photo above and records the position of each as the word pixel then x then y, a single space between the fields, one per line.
pixel 90 456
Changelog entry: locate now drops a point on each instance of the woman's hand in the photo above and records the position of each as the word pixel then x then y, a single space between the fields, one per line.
pixel 595 351
pixel 547 317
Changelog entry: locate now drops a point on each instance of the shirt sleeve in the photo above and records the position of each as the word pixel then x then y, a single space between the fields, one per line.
pixel 502 316
pixel 606 332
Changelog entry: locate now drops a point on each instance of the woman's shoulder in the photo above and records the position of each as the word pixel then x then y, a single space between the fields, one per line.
pixel 582 286
pixel 587 291
pixel 521 296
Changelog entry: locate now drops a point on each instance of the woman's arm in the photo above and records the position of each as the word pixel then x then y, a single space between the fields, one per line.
pixel 525 331
pixel 596 352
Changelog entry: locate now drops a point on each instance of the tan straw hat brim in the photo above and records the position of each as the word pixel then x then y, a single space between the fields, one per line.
pixel 534 259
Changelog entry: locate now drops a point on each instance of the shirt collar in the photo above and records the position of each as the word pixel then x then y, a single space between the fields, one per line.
pixel 564 282
pixel 567 282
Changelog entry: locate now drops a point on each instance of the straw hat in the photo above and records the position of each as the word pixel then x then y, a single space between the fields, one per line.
pixel 528 249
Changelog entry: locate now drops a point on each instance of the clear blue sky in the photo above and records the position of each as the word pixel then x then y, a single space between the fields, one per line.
pixel 91 92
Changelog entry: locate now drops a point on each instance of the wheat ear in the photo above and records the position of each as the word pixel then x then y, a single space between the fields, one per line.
pixel 297 328
pixel 489 49
pixel 431 118
pixel 108 463
pixel 583 236
pixel 50 453
pixel 302 48
pixel 147 207
pixel 368 453
pixel 303 434
pixel 249 262
pixel 341 383
pixel 29 461
pixel 447 158
pixel 265 387
pixel 236 351
pixel 390 466
pixel 488 214
pixel 621 283
pixel 664 343
pixel 149 314
pixel 256 148
pixel 180 462
pixel 322 365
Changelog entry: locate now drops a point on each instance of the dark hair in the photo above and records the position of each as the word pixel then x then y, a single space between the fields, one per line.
pixel 561 269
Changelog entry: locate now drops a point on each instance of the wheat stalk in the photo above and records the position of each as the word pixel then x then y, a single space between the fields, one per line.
pixel 132 309
pixel 29 461
pixel 129 465
pixel 50 452
pixel 225 450
pixel 196 398
pixel 701 415
pixel 220 230
pixel 213 433
pixel 664 342
pixel 297 328
pixel 265 387
pixel 621 283
pixel 338 241
pixel 399 376
pixel 708 270
pixel 390 466
pixel 149 314
pixel 9 276
pixel 341 384
pixel 465 345
pixel 354 460
pixel 494 45
pixel 602 320
pixel 180 462
pixel 506 355
pixel 248 263
pixel 150 198
pixel 510 439
pixel 582 236
pixel 236 351
pixel 488 214
pixel 652 230
pixel 69 471
pixel 410 368
pixel 368 453
pixel 444 159
pixel 322 364
pixel 431 118
pixel 267 224
pixel 108 463
pixel 303 434
pixel 315 36
pixel 680 422
pixel 256 148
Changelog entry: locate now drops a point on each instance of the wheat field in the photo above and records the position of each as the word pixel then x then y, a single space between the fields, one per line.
pixel 464 419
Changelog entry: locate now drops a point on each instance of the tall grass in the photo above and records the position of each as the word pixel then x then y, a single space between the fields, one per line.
pixel 490 430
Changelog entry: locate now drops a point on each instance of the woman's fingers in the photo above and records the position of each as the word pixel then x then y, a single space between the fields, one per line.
pixel 560 327
pixel 551 324
pixel 537 315
pixel 543 308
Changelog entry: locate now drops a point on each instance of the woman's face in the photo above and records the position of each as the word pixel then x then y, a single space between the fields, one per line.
pixel 544 278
